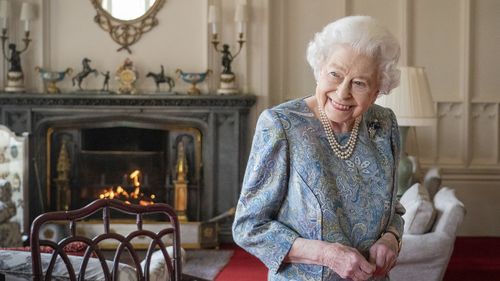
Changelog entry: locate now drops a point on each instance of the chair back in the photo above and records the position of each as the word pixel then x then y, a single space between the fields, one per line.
pixel 173 263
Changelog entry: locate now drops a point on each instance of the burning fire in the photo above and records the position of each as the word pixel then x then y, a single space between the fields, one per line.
pixel 136 195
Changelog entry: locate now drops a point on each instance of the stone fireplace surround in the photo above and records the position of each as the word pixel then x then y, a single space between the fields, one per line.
pixel 222 121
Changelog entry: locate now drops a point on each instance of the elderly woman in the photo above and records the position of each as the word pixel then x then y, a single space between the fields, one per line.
pixel 319 195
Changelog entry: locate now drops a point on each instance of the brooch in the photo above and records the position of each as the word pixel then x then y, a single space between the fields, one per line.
pixel 373 126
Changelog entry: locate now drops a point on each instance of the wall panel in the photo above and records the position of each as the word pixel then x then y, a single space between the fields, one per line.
pixel 300 29
pixel 386 11
pixel 485 50
pixel 435 45
pixel 426 140
pixel 480 198
pixel 484 134
pixel 450 134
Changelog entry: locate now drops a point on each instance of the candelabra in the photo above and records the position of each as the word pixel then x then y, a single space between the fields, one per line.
pixel 227 77
pixel 15 76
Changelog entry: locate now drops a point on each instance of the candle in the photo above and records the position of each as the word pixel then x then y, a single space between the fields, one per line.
pixel 27 14
pixel 214 28
pixel 213 17
pixel 240 17
pixel 4 12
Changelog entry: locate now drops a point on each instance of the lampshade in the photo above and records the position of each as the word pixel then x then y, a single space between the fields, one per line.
pixel 27 11
pixel 412 100
pixel 4 9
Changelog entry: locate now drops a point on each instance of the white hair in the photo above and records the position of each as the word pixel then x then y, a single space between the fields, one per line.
pixel 367 36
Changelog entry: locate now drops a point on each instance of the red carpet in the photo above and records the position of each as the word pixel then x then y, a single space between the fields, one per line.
pixel 243 267
pixel 473 259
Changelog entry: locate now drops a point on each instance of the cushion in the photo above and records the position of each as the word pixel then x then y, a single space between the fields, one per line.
pixel 18 264
pixel 432 181
pixel 420 212
pixel 158 269
pixel 76 248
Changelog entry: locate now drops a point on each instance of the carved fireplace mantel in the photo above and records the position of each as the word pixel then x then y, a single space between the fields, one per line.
pixel 90 99
pixel 221 120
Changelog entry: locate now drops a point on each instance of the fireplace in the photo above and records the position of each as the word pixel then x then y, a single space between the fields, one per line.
pixel 136 163
pixel 82 145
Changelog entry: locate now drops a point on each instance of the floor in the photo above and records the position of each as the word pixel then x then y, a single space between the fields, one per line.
pixel 473 259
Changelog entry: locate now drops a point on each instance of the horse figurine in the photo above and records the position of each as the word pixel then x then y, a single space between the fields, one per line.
pixel 84 73
pixel 161 78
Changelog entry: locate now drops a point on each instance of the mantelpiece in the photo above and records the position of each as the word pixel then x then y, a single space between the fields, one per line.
pixel 221 120
pixel 91 99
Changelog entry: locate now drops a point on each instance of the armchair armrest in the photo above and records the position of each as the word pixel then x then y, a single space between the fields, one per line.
pixel 426 248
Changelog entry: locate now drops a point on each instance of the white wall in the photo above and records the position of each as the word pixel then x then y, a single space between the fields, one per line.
pixel 455 40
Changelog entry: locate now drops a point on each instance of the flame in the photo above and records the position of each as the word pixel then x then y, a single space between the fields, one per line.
pixel 122 194
pixel 137 185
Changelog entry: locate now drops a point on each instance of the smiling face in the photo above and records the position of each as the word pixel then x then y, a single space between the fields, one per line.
pixel 347 86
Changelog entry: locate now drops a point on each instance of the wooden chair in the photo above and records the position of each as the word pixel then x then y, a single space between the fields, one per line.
pixel 72 217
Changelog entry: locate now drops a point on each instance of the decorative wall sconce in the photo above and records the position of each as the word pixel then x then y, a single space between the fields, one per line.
pixel 227 77
pixel 15 76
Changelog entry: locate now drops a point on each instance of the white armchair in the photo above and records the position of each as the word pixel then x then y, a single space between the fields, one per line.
pixel 426 256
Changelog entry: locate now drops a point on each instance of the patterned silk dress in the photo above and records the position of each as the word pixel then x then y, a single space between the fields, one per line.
pixel 295 186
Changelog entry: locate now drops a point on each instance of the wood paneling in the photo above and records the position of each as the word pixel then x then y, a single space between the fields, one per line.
pixel 485 50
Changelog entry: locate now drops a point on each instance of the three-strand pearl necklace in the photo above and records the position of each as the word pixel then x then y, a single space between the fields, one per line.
pixel 342 151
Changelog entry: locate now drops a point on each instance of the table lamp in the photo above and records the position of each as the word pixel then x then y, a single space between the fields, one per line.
pixel 412 103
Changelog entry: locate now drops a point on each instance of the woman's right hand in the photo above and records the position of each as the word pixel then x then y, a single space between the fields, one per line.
pixel 346 262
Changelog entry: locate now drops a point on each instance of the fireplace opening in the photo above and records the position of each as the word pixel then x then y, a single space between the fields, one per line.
pixel 123 161
pixel 133 164
pixel 123 139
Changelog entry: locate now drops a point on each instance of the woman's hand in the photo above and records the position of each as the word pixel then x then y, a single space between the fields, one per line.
pixel 347 262
pixel 383 254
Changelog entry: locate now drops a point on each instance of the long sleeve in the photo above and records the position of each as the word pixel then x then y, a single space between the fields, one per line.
pixel 264 188
pixel 397 223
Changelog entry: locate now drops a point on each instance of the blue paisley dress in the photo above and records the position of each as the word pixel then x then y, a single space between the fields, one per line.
pixel 295 186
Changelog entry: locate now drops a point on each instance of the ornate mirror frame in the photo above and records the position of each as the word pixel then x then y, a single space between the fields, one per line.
pixel 127 32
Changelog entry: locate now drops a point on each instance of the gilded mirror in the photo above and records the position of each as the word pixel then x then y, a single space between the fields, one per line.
pixel 126 20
